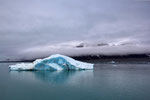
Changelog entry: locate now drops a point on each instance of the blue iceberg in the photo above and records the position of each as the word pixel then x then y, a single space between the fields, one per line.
pixel 53 63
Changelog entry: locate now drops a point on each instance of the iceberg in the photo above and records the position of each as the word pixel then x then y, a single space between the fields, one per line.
pixel 53 63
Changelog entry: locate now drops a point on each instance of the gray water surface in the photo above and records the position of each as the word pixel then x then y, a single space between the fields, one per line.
pixel 105 82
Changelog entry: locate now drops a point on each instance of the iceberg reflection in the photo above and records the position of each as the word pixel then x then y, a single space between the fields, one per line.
pixel 55 77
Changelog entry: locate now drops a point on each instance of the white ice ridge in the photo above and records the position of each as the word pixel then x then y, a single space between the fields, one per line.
pixel 53 63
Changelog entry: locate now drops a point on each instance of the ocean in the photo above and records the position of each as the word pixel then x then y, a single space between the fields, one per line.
pixel 106 82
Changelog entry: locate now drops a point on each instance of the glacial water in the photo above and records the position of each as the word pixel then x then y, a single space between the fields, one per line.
pixel 105 82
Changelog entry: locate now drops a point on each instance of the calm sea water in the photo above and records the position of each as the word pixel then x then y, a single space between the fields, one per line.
pixel 105 82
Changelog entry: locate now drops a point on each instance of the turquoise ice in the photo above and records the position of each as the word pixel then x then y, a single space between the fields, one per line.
pixel 53 63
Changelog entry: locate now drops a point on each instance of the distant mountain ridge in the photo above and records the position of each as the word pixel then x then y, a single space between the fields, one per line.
pixel 97 57
pixel 95 47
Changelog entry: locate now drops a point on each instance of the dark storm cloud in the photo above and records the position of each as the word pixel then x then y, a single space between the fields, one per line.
pixel 41 27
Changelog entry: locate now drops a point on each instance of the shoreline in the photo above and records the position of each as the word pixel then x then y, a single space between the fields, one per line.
pixel 99 58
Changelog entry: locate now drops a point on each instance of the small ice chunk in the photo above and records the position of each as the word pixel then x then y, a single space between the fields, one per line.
pixel 112 62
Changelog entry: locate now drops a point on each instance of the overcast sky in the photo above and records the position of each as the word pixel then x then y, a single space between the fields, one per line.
pixel 36 28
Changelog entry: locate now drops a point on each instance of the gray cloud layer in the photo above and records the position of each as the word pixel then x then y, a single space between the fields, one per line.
pixel 32 28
